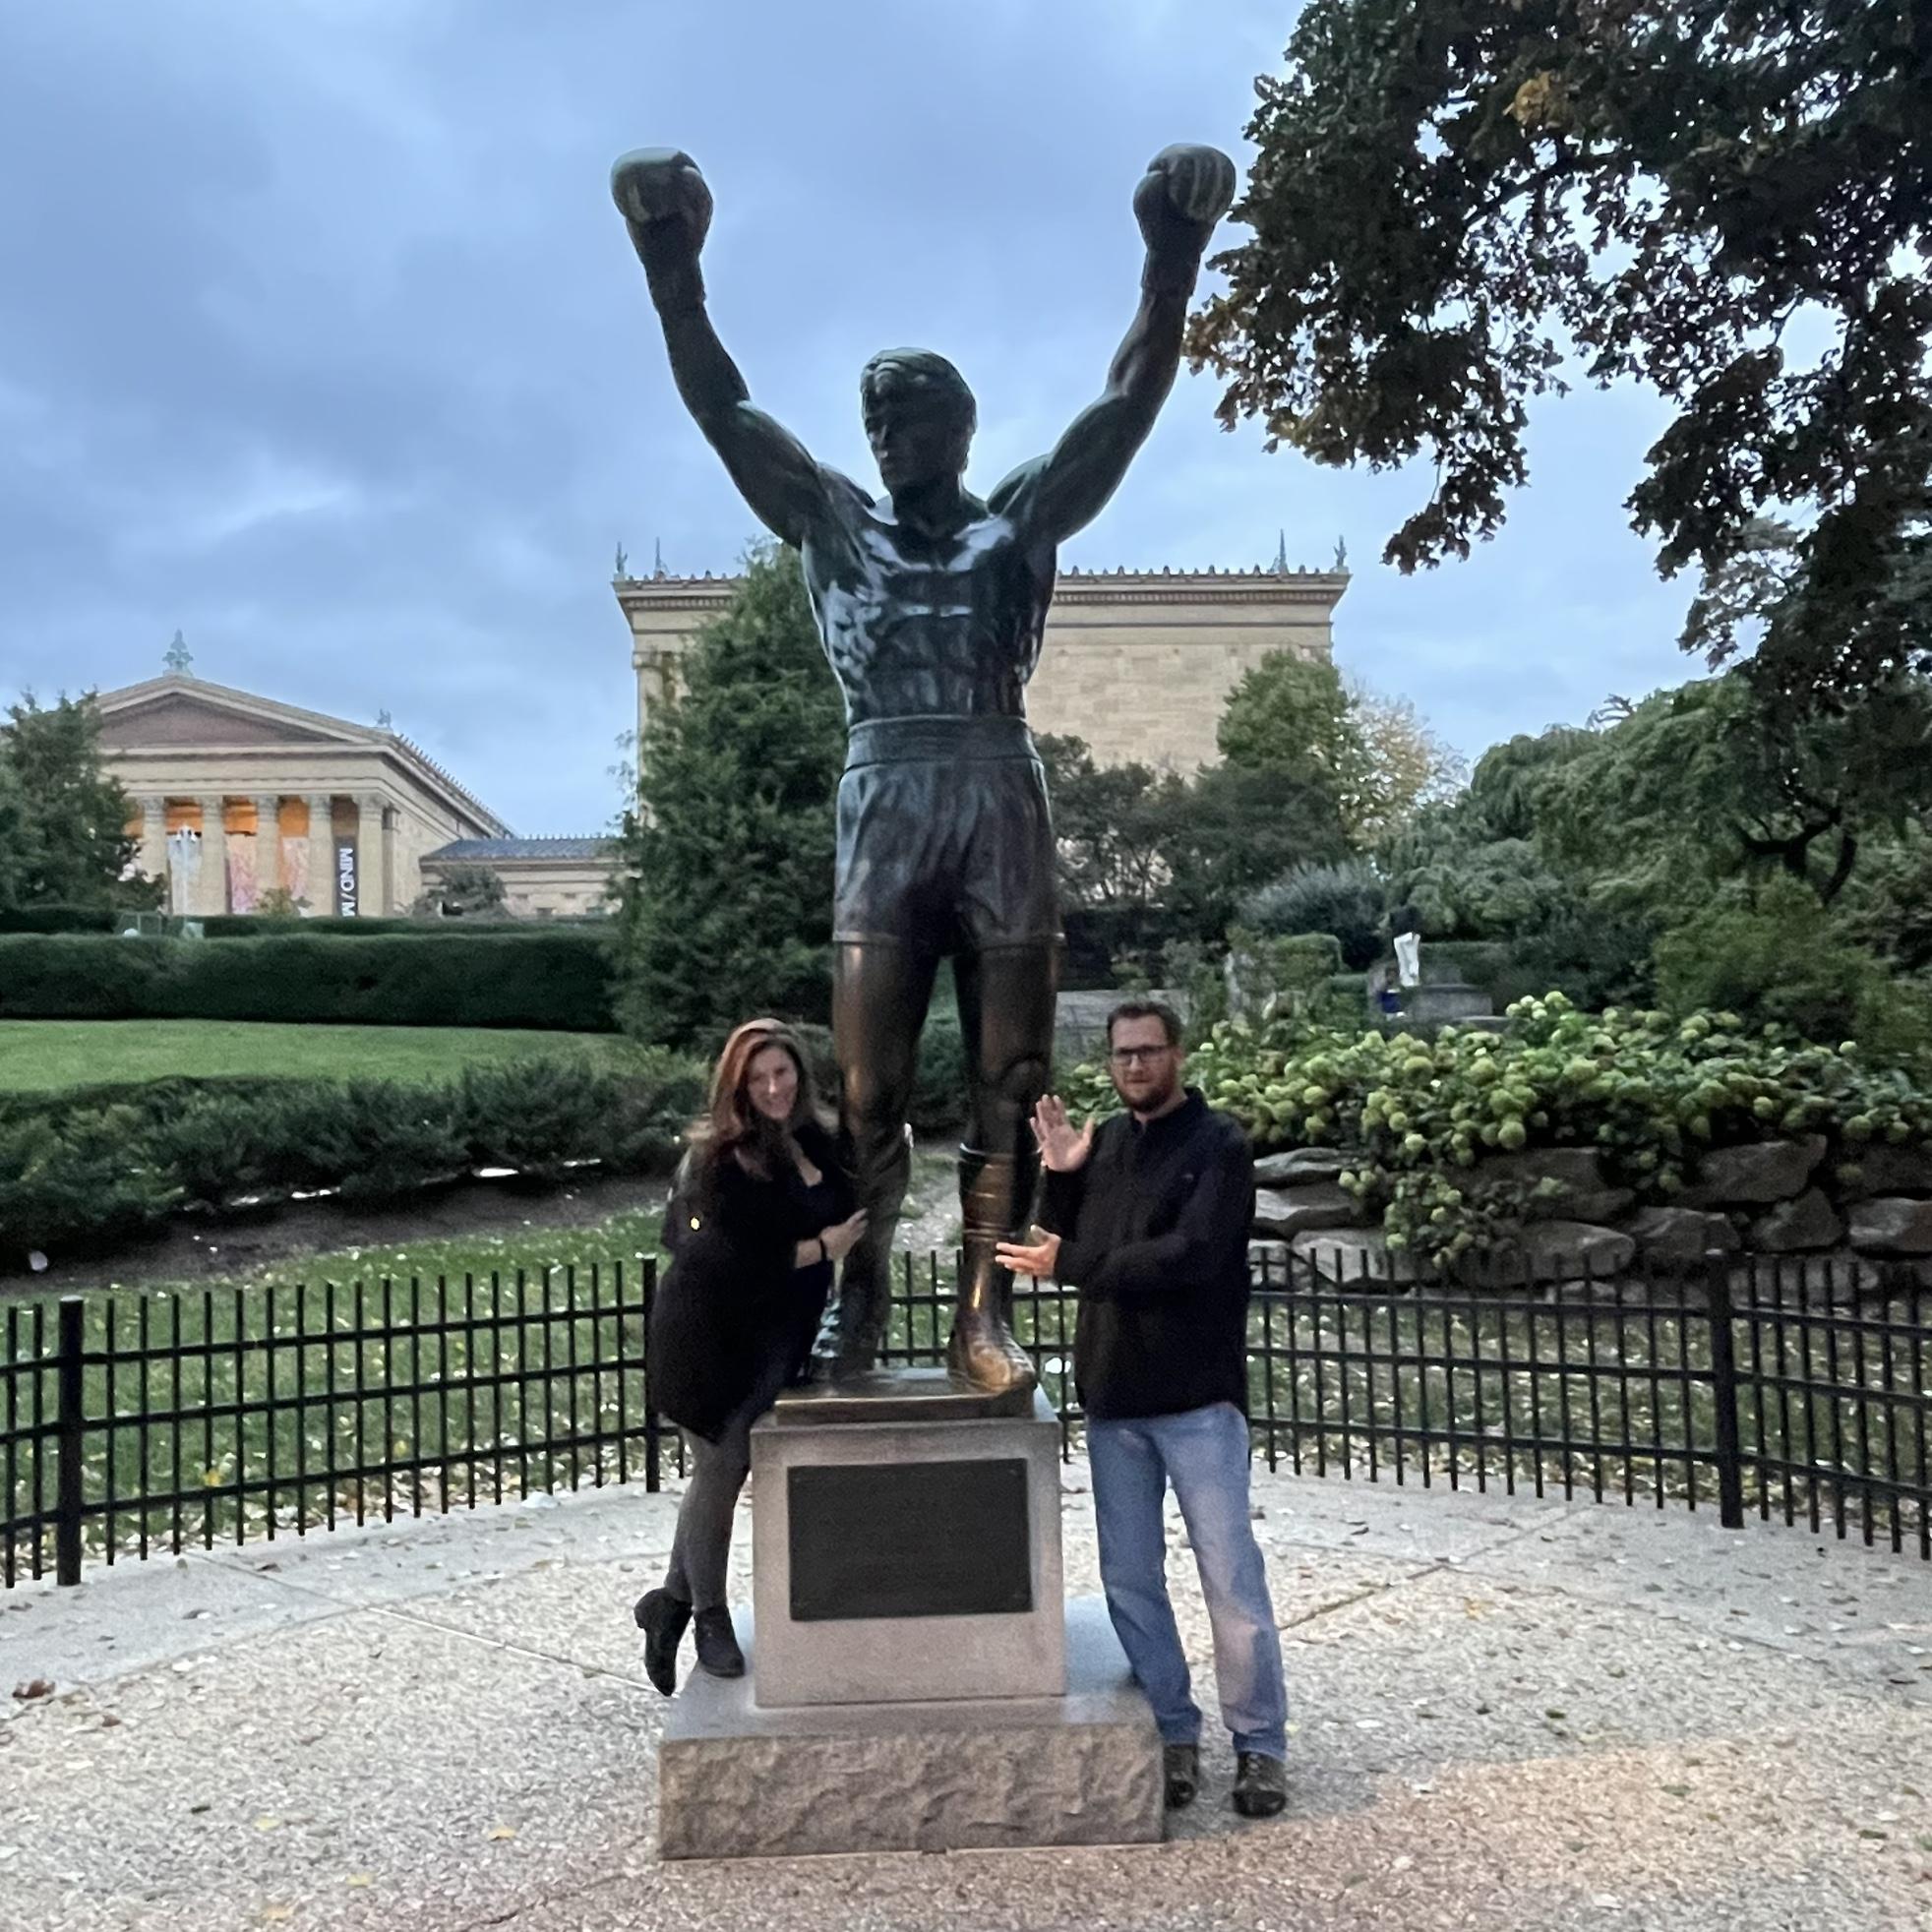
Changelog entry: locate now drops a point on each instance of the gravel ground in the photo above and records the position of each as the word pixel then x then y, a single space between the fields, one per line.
pixel 1509 1713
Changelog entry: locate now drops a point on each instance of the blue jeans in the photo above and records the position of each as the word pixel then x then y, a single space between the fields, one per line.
pixel 1204 1454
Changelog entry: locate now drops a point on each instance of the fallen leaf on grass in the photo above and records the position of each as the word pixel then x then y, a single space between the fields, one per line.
pixel 503 1832
pixel 268 1824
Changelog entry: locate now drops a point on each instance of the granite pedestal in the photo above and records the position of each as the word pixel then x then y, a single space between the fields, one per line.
pixel 916 1680
pixel 738 1780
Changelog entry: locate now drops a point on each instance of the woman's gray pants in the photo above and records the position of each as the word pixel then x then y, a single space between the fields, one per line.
pixel 714 1474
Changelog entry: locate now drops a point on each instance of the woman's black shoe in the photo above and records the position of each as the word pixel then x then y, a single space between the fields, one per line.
pixel 662 1618
pixel 717 1644
pixel 1180 1774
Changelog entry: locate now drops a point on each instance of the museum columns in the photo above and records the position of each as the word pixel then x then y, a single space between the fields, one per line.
pixel 208 898
pixel 152 858
pixel 321 857
pixel 372 856
pixel 267 845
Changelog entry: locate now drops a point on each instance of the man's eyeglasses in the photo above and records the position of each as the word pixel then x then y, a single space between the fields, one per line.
pixel 1137 1055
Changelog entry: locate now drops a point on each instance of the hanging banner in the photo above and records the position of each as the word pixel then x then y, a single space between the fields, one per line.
pixel 345 879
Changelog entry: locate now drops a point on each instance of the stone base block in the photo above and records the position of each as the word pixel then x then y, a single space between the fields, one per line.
pixel 907 1559
pixel 738 1780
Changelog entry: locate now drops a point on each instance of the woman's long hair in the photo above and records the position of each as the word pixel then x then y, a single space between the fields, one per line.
pixel 731 1125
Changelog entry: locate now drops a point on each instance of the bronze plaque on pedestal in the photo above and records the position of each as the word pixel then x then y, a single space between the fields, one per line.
pixel 909 1539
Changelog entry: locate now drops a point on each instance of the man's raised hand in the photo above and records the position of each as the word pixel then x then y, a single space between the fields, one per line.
pixel 662 194
pixel 1184 192
pixel 1063 1148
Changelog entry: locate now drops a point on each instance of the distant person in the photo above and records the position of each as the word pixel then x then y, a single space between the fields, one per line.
pixel 1152 1214
pixel 760 1212
pixel 1407 926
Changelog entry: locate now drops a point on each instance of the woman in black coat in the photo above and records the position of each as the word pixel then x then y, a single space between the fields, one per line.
pixel 760 1212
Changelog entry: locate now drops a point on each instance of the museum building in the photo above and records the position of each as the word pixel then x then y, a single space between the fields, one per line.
pixel 240 796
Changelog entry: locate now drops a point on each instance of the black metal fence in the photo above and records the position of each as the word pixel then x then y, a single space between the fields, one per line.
pixel 131 1423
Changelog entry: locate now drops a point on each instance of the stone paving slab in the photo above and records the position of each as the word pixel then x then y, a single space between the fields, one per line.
pixel 1508 1714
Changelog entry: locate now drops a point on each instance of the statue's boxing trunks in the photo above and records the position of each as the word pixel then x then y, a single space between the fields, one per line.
pixel 945 842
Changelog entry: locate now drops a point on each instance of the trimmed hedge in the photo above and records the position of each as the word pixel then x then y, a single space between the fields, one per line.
pixel 545 979
pixel 90 1167
pixel 56 919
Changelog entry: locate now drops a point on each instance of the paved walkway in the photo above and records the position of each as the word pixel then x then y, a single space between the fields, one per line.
pixel 1513 1715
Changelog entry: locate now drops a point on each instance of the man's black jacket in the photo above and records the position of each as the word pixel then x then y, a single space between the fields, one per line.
pixel 1154 1233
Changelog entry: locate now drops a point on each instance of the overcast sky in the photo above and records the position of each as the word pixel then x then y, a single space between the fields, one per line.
pixel 320 340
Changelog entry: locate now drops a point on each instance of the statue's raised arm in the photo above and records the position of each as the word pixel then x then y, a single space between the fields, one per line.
pixel 1184 192
pixel 667 208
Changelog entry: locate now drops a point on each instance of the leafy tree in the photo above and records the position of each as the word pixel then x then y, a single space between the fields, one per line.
pixel 465 891
pixel 279 902
pixel 1407 766
pixel 1455 203
pixel 1706 783
pixel 726 858
pixel 1237 830
pixel 1507 788
pixel 1112 824
pixel 1887 907
pixel 64 836
pixel 1467 889
pixel 1473 867
pixel 1290 714
pixel 1372 755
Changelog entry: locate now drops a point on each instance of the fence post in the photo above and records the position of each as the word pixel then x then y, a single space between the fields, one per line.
pixel 653 1459
pixel 70 1440
pixel 1723 1389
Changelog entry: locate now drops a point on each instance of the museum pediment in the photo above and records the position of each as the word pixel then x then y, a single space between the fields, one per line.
pixel 154 720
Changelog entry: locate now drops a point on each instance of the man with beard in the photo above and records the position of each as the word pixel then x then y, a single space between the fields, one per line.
pixel 1150 1216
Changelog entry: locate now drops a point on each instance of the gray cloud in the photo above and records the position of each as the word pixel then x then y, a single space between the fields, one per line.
pixel 320 339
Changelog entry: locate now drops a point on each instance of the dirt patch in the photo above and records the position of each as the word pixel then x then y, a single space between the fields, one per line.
pixel 205 1247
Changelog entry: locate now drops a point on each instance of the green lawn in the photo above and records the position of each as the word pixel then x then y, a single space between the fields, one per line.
pixel 39 1054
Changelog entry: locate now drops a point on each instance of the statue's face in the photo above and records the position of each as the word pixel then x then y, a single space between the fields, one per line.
pixel 916 439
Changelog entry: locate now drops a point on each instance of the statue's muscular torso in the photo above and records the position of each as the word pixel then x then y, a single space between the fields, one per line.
pixel 922 625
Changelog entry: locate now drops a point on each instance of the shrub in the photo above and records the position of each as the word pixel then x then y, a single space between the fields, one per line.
pixel 1594 957
pixel 938 1088
pixel 1347 901
pixel 1651 1091
pixel 1286 975
pixel 658 1099
pixel 220 1149
pixel 546 979
pixel 1100 936
pixel 1783 962
pixel 539 1117
pixel 56 919
pixel 97 1163
pixel 79 1181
